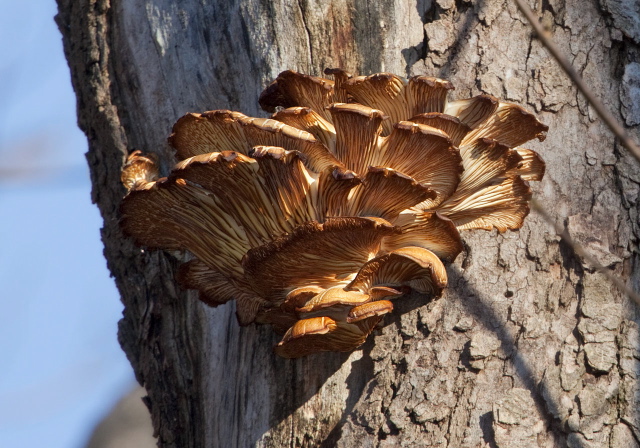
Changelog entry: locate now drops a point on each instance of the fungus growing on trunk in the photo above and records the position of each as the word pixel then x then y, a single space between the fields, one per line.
pixel 352 194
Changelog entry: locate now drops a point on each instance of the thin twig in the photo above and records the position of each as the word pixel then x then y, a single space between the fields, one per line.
pixel 579 250
pixel 602 111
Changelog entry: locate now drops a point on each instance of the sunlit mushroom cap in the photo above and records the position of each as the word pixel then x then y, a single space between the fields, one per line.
pixel 354 192
pixel 138 170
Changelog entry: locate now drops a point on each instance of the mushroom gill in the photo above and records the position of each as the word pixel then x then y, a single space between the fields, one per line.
pixel 352 194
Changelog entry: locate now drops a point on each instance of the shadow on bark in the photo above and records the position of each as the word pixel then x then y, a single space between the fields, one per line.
pixel 307 378
pixel 278 388
pixel 357 381
pixel 429 13
pixel 482 310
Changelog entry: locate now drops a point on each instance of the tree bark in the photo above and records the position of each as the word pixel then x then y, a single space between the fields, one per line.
pixel 527 347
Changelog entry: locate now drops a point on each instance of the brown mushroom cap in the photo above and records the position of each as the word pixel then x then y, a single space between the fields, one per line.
pixel 332 296
pixel 173 214
pixel 318 334
pixel 383 292
pixel 309 120
pixel 340 77
pixel 397 97
pixel 426 229
pixel 369 310
pixel 214 131
pixel 532 167
pixel 307 336
pixel 139 169
pixel 298 297
pixel 291 89
pixel 473 111
pixel 357 130
pixel 267 193
pixel 222 130
pixel 426 94
pixel 381 91
pixel 486 162
pixel 296 89
pixel 314 254
pixel 220 205
pixel 333 302
pixel 452 126
pixel 334 189
pixel 416 267
pixel 503 206
pixel 214 287
pixel 491 193
pixel 425 154
pixel 385 192
pixel 510 125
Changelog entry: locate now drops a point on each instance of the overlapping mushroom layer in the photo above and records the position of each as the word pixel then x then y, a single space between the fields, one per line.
pixel 349 196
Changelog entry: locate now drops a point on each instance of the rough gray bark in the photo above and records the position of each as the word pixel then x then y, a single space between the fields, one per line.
pixel 528 347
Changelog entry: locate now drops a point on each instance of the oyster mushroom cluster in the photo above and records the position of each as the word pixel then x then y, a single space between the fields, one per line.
pixel 352 194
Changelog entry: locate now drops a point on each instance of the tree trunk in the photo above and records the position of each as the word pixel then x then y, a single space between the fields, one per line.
pixel 527 347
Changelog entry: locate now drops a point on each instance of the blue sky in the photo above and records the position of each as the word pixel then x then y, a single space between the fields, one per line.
pixel 62 367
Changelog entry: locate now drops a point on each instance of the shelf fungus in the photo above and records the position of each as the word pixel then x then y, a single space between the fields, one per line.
pixel 351 195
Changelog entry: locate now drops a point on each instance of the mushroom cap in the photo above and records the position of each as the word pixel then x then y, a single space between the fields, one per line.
pixel 453 127
pixel 312 122
pixel 532 167
pixel 320 334
pixel 223 130
pixel 369 310
pixel 473 111
pixel 295 89
pixel 415 267
pixel 298 297
pixel 357 130
pixel 427 229
pixel 138 170
pixel 397 97
pixel 324 254
pixel 332 296
pixel 386 192
pixel 427 155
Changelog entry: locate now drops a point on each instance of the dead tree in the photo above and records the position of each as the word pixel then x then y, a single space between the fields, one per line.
pixel 528 346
